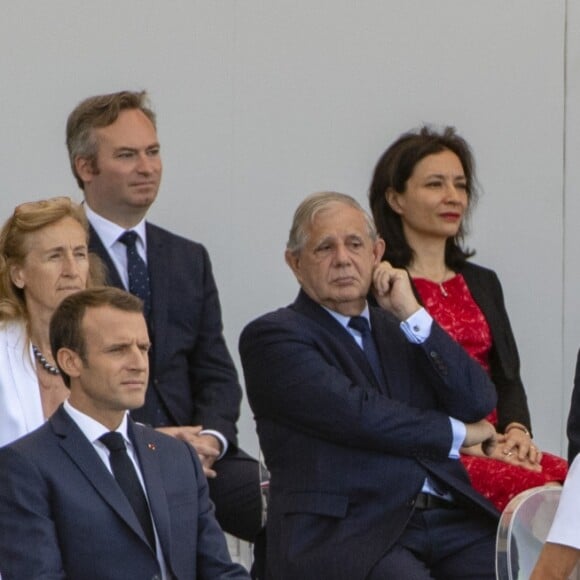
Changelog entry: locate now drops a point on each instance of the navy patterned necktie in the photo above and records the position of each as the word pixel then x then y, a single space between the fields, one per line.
pixel 361 324
pixel 126 476
pixel 137 271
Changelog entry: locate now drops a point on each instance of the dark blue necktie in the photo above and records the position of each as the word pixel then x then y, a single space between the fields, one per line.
pixel 137 271
pixel 126 476
pixel 361 324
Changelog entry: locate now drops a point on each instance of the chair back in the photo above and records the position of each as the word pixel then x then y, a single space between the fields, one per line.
pixel 264 487
pixel 522 531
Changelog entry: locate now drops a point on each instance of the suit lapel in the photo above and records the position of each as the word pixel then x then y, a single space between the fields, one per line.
pixel 306 306
pixel 150 468
pixel 159 264
pixel 83 455
pixel 96 247
pixel 393 359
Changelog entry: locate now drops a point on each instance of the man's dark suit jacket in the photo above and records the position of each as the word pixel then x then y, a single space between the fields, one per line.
pixel 347 457
pixel 62 514
pixel 504 359
pixel 191 368
pixel 573 429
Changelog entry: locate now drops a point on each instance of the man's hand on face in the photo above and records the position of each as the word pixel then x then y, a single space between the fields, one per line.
pixel 393 291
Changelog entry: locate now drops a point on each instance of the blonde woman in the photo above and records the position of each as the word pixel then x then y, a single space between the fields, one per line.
pixel 44 257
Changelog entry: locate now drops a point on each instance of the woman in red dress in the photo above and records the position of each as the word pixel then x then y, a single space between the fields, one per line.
pixel 422 190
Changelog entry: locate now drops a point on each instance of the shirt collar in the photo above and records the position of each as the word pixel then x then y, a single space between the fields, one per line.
pixel 91 428
pixel 109 232
pixel 344 320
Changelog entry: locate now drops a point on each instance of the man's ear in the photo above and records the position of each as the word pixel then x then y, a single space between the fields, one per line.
pixel 379 250
pixel 293 260
pixel 393 198
pixel 69 361
pixel 85 168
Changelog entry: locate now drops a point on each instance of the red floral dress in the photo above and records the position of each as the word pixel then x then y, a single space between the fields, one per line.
pixel 453 307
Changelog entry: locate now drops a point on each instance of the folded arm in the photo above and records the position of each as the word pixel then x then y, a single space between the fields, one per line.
pixel 295 377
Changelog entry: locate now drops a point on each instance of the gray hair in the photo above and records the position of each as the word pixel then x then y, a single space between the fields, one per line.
pixel 310 207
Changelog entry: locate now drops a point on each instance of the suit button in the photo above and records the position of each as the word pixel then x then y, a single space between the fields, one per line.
pixel 156 577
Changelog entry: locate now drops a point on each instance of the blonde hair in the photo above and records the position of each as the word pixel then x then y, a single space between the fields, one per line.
pixel 27 218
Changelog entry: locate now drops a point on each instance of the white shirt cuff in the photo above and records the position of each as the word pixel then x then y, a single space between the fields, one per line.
pixel 220 438
pixel 459 432
pixel 417 327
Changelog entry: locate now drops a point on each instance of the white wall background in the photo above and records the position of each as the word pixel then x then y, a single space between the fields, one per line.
pixel 261 102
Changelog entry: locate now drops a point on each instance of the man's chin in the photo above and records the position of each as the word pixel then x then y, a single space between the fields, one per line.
pixel 351 293
pixel 135 401
pixel 143 201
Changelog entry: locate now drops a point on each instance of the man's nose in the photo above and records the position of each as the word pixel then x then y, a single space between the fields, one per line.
pixel 342 255
pixel 145 164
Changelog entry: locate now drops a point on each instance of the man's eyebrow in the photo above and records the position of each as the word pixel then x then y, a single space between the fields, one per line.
pixel 119 344
pixel 125 148
pixel 324 240
pixel 136 149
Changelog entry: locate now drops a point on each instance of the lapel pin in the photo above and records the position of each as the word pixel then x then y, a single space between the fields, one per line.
pixel 151 446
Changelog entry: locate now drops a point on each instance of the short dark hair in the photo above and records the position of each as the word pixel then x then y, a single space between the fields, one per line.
pixel 392 172
pixel 95 112
pixel 66 322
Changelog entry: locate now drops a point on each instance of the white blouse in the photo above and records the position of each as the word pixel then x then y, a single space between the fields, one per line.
pixel 20 402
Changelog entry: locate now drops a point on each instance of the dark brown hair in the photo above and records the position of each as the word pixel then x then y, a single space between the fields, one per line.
pixel 95 112
pixel 66 322
pixel 392 172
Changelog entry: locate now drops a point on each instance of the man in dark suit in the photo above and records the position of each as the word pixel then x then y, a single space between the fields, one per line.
pixel 573 427
pixel 64 507
pixel 194 393
pixel 361 427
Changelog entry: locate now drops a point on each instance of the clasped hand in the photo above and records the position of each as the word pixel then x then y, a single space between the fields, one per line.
pixel 509 448
pixel 519 449
pixel 207 446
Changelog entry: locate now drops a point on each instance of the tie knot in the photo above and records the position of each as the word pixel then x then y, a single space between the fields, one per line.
pixel 361 324
pixel 129 238
pixel 113 441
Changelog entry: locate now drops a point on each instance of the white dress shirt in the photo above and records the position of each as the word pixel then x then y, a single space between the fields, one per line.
pixel 109 233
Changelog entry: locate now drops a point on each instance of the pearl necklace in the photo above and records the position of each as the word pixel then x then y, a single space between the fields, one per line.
pixel 43 362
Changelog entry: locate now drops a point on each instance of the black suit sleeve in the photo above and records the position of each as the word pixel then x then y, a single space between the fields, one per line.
pixel 217 393
pixel 504 361
pixel 574 416
pixel 304 379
